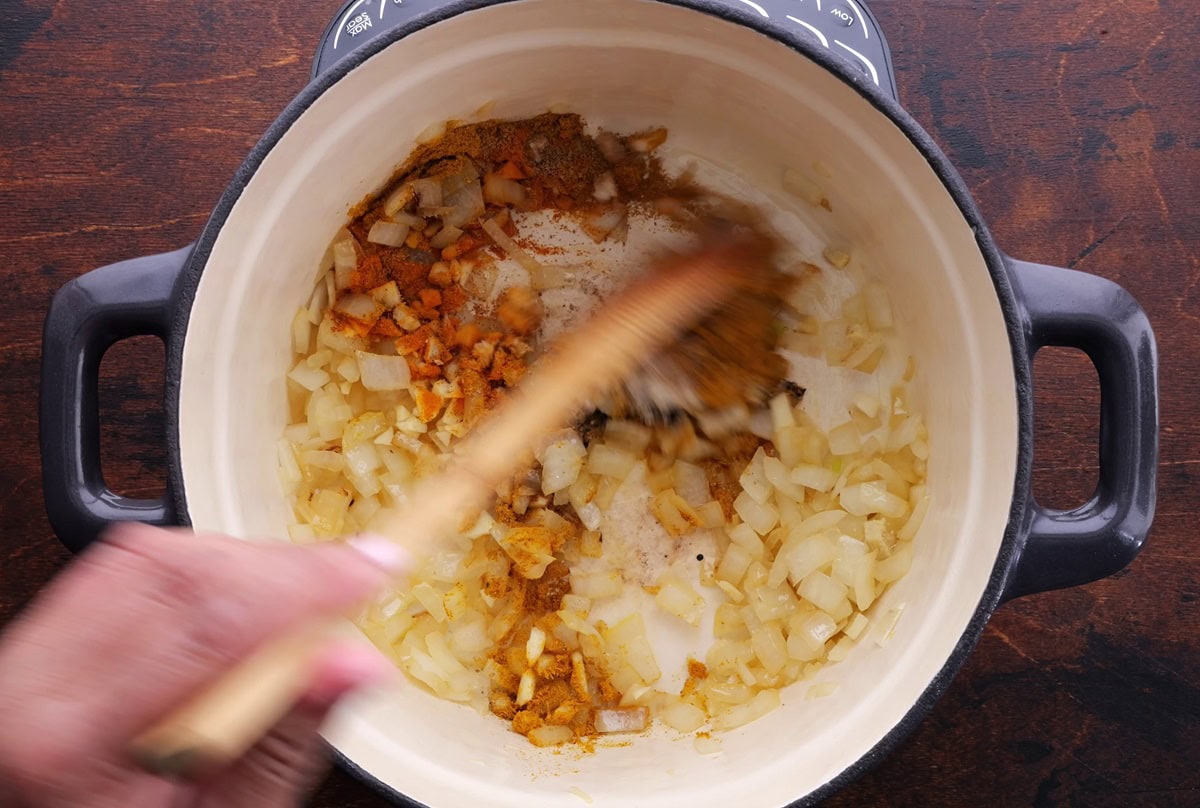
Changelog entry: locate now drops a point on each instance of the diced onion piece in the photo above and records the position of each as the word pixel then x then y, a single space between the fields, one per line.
pixel 308 377
pixel 389 234
pixel 895 566
pixel 754 479
pixel 609 461
pixel 345 262
pixel 429 193
pixel 808 635
pixel 869 498
pixel 383 372
pixel 399 199
pixel 728 623
pixel 625 719
pixel 868 405
pixel 910 528
pixel 339 337
pixel 301 332
pixel 683 717
pixel 606 222
pixel 577 622
pixel 745 536
pixel 734 564
pixel 818 478
pixel 550 735
pixel 823 592
pixel 445 237
pixel 761 517
pixel 605 189
pixel 781 480
pixel 590 515
pixel 707 745
pixel 535 645
pixel 856 626
pixel 676 597
pixel 675 515
pixel 845 439
pixel 431 600
pixel 888 627
pixel 628 435
pixel 503 191
pixel 562 461
pixel 770 647
pixel 510 247
pixel 629 638
pixel 840 650
pixel 782 415
pixel 526 687
pixel 363 309
pixel 289 469
pixel 819 690
pixel 597 585
pixel 764 702
pixel 711 514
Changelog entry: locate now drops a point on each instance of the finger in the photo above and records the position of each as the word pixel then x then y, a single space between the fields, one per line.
pixel 149 616
pixel 289 761
pixel 277 771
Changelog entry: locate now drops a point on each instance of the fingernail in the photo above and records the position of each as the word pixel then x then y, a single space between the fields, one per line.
pixel 383 552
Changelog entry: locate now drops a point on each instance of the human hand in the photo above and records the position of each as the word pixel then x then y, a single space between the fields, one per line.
pixel 142 621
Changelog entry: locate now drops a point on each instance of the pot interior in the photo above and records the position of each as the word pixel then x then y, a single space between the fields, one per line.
pixel 744 103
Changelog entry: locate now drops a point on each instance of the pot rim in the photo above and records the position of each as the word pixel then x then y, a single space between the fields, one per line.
pixel 1016 532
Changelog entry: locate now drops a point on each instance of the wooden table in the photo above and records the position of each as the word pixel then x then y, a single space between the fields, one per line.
pixel 1075 124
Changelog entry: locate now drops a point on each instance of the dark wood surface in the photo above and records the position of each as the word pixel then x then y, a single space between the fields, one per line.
pixel 1077 126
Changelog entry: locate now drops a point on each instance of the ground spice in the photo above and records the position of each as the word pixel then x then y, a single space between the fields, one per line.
pixel 559 168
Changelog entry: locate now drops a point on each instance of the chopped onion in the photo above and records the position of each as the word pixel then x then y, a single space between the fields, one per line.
pixel 503 191
pixel 550 735
pixel 764 702
pixel 445 237
pixel 865 499
pixel 608 222
pixel 383 372
pixel 606 187
pixel 562 461
pixel 301 332
pixel 429 193
pixel 399 199
pixel 510 247
pixel 626 719
pixel 308 377
pixel 345 262
pixel 823 592
pixel 683 717
pixel 362 309
pixel 389 234
pixel 677 597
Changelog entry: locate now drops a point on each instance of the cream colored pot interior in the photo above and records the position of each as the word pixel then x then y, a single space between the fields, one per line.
pixel 744 102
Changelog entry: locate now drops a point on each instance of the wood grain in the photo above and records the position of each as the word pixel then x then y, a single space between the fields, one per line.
pixel 1075 125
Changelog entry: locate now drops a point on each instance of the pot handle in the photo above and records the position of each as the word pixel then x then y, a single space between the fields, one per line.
pixel 1072 309
pixel 88 316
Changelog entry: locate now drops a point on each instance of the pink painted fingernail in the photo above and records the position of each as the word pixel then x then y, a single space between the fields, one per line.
pixel 383 553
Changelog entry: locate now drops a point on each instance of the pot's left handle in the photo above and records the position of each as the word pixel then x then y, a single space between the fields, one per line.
pixel 87 316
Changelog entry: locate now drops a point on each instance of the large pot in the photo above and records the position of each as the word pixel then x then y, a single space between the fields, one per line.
pixel 749 87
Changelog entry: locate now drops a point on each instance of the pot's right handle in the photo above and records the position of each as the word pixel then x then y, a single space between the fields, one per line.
pixel 1077 310
pixel 88 315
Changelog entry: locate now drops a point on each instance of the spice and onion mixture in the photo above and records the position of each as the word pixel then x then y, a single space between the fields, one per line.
pixel 757 525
